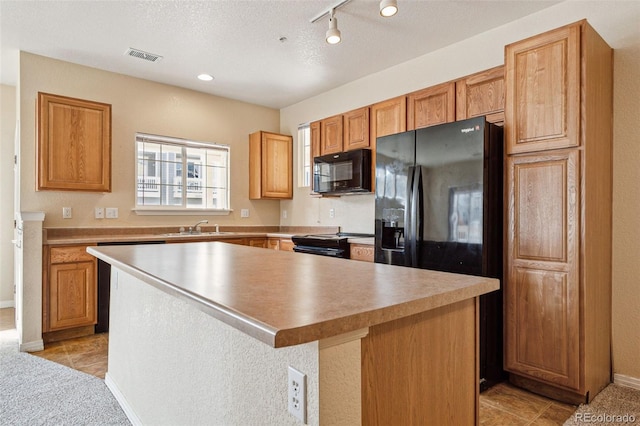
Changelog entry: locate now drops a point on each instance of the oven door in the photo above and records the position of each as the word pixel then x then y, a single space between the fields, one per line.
pixel 322 251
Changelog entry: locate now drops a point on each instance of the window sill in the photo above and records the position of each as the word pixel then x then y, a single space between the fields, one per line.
pixel 164 211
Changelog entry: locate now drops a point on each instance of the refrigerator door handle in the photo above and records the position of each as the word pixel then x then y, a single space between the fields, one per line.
pixel 408 217
pixel 415 218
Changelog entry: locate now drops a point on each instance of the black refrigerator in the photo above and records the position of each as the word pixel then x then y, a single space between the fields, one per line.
pixel 439 206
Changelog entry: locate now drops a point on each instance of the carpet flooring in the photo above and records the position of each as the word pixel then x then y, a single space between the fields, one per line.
pixel 34 391
pixel 615 405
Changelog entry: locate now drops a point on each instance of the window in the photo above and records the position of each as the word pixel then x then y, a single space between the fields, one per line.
pixel 178 174
pixel 304 155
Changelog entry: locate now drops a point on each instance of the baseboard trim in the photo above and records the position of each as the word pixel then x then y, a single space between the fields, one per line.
pixel 628 381
pixel 124 404
pixel 7 304
pixel 35 346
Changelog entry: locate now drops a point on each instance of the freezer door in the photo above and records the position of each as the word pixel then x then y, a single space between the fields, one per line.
pixel 395 156
pixel 450 158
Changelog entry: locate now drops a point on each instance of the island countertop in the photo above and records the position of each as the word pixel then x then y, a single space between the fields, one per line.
pixel 287 298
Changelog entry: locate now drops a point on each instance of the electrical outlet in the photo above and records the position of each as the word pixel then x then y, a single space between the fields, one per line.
pixel 284 214
pixel 99 213
pixel 66 213
pixel 244 212
pixel 112 212
pixel 332 213
pixel 297 394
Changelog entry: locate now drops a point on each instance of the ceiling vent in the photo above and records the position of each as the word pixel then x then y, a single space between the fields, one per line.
pixel 136 53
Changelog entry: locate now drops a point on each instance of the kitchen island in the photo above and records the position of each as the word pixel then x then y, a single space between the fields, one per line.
pixel 204 333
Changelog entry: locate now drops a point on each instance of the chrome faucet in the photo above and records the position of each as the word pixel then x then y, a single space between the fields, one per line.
pixel 196 227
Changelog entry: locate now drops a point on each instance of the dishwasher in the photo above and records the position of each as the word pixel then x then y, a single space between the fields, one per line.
pixel 104 283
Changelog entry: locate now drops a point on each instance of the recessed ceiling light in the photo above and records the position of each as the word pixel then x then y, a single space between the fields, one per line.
pixel 205 77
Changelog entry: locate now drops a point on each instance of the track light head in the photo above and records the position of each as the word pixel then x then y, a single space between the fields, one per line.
pixel 388 8
pixel 333 33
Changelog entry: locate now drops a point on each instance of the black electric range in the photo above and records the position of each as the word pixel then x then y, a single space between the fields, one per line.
pixel 333 245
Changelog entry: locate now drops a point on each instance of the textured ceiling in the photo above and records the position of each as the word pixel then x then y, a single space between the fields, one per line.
pixel 238 42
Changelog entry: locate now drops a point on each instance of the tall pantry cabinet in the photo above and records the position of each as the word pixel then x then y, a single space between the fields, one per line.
pixel 558 134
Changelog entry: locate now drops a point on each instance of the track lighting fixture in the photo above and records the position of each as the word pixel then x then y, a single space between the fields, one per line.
pixel 333 36
pixel 388 8
pixel 333 33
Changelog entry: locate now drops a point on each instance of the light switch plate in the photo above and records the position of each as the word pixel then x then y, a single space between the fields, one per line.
pixel 244 213
pixel 99 213
pixel 112 212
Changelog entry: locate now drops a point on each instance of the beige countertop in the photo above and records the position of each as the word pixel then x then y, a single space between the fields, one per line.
pixel 172 236
pixel 287 298
pixel 81 235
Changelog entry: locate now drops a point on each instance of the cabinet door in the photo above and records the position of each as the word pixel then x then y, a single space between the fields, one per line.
pixel 542 295
pixel 273 243
pixel 258 242
pixel 74 144
pixel 543 91
pixel 356 129
pixel 430 106
pixel 331 135
pixel 389 117
pixel 286 245
pixel 72 295
pixel 481 94
pixel 277 166
pixel 270 166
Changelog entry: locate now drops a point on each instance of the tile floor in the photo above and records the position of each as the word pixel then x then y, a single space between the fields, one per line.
pixel 503 404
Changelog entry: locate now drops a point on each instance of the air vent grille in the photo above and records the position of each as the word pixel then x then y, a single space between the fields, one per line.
pixel 137 53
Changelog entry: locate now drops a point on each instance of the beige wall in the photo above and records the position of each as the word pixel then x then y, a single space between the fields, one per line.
pixel 617 23
pixel 7 134
pixel 138 106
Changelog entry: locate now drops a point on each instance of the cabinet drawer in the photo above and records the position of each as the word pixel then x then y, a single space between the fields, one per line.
pixel 70 254
pixel 361 252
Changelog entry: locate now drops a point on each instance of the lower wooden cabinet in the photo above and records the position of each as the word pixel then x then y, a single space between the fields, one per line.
pixel 284 244
pixel 70 296
pixel 543 295
pixel 361 252
pixel 257 242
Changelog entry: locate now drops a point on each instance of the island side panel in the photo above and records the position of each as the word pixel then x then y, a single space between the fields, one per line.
pixel 423 369
pixel 170 363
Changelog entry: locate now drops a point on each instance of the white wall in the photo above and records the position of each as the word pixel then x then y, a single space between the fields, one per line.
pixel 7 133
pixel 617 22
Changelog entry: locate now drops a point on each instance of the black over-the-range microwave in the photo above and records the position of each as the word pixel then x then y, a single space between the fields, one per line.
pixel 343 173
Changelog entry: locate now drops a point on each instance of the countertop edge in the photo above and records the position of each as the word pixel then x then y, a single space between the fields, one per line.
pixel 313 332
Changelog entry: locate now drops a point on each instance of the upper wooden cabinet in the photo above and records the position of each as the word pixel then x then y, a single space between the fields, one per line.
pixel 543 96
pixel 430 106
pixel 74 144
pixel 558 213
pixel 481 94
pixel 270 166
pixel 331 135
pixel 356 129
pixel 315 140
pixel 388 117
